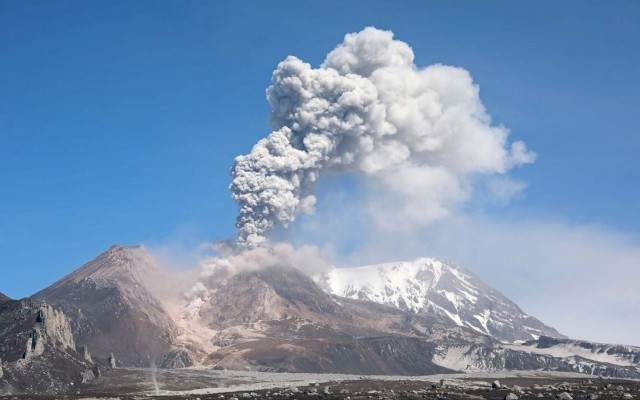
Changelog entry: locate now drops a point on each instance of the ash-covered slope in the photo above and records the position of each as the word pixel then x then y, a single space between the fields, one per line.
pixel 112 307
pixel 429 285
pixel 279 319
pixel 38 352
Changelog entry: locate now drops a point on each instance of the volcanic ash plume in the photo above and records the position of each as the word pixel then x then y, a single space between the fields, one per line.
pixel 417 135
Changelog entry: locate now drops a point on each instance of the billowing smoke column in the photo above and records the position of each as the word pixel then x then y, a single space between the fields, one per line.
pixel 417 134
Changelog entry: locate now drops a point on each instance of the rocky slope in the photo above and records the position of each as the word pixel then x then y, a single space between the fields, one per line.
pixel 112 308
pixel 278 319
pixel 432 286
pixel 38 350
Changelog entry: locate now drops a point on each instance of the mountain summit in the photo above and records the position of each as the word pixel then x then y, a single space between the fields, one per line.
pixel 432 286
pixel 113 308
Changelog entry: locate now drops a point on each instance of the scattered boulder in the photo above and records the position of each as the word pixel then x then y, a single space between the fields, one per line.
pixel 511 396
pixel 496 384
pixel 87 376
pixel 564 396
pixel 112 361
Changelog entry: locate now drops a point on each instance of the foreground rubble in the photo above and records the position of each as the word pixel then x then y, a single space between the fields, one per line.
pixel 206 384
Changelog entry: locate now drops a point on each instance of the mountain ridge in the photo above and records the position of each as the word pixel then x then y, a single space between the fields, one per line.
pixel 279 319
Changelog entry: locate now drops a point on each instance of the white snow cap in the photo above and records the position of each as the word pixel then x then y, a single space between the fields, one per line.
pixel 417 135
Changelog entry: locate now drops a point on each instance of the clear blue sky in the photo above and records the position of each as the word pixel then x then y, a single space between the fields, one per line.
pixel 119 120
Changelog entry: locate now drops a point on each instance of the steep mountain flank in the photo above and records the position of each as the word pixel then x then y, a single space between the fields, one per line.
pixel 113 310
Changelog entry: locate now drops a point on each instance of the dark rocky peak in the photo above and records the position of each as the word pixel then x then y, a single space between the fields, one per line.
pixel 122 263
pixel 4 298
pixel 129 265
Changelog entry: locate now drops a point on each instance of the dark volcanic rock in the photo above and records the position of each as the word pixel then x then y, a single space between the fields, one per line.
pixel 176 359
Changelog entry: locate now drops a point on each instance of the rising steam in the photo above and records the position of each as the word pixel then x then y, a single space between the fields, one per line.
pixel 418 135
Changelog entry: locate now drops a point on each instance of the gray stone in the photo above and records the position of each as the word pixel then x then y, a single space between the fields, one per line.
pixel 511 396
pixel 564 396
pixel 87 376
pixel 84 352
pixel 112 361
pixel 495 384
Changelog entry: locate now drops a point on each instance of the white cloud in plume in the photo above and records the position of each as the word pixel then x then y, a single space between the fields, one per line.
pixel 214 271
pixel 418 137
pixel 413 145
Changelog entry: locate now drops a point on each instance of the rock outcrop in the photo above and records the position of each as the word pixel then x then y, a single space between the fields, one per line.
pixel 176 359
pixel 37 349
pixel 84 351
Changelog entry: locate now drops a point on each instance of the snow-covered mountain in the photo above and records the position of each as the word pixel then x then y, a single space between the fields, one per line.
pixel 433 286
